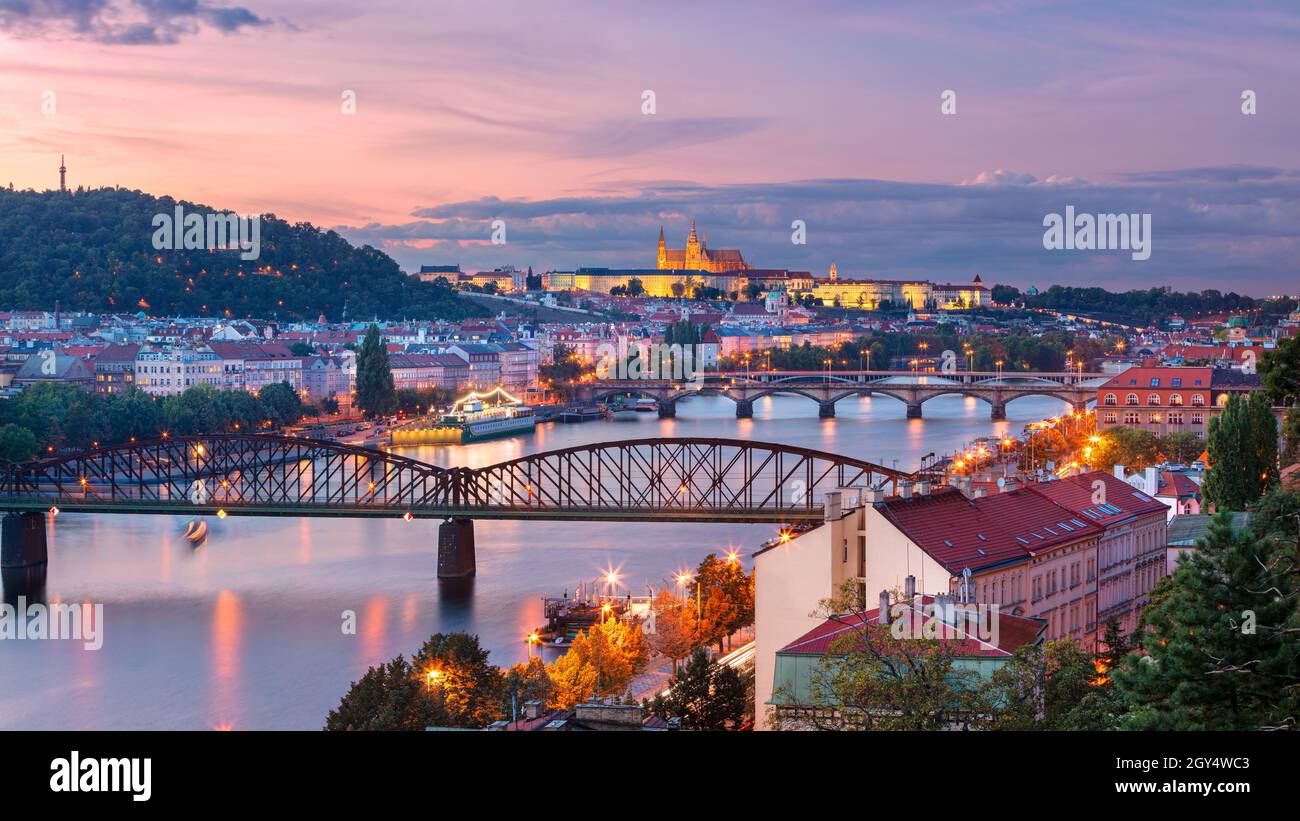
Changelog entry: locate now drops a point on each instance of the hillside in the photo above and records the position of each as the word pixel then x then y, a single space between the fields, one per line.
pixel 93 250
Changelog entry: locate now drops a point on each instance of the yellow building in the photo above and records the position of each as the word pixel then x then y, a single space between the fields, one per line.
pixel 917 294
pixel 697 256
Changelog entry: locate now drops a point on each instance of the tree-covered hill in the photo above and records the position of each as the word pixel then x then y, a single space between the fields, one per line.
pixel 93 250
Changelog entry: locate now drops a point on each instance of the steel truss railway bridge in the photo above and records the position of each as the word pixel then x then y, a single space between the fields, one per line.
pixel 659 480
pixel 997 388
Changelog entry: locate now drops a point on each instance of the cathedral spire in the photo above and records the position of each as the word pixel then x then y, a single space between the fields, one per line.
pixel 693 237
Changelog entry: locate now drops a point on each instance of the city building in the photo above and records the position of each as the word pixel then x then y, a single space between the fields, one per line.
pixel 170 370
pixel 1072 552
pixel 1168 399
pixel 115 368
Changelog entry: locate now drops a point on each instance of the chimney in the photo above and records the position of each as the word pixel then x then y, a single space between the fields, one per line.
pixel 923 488
pixel 532 709
pixel 882 617
pixel 833 506
pixel 905 488
pixel 909 587
pixel 980 492
pixel 1120 471
pixel 1151 481
pixel 945 607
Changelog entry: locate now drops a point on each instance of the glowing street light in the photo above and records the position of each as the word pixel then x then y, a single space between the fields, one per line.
pixel 533 638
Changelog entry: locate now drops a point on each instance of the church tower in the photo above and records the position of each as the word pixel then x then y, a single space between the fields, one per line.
pixel 693 249
pixel 663 250
pixel 835 272
pixel 63 175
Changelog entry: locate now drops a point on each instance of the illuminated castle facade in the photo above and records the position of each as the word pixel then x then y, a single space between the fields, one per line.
pixel 697 256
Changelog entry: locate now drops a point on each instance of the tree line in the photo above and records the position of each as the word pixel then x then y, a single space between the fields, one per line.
pixel 49 417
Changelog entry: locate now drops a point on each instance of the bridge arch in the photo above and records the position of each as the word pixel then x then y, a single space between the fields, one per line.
pixel 650 479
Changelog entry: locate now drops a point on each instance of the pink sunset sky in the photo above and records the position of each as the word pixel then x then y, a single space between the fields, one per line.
pixel 531 113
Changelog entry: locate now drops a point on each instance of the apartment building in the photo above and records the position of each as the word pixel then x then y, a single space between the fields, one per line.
pixel 1072 553
pixel 1165 400
pixel 169 370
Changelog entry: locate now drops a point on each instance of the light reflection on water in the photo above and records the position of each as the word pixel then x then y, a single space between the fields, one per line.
pixel 245 631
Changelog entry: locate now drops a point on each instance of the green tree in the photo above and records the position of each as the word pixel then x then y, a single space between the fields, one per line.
pixel 376 395
pixel 706 696
pixel 281 404
pixel 561 374
pixel 465 687
pixel 388 697
pixel 871 680
pixel 17 444
pixel 526 681
pixel 1291 438
pixel 1243 453
pixel 1182 446
pixel 1279 371
pixel 1052 686
pixel 1221 644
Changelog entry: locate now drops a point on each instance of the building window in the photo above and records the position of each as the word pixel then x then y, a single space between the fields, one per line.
pixel 1131 399
pixel 1111 418
pixel 1198 399
pixel 1153 399
pixel 1131 418
pixel 1198 418
pixel 1176 399
pixel 1175 418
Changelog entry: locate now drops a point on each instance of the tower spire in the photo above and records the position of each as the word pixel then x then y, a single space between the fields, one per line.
pixel 63 174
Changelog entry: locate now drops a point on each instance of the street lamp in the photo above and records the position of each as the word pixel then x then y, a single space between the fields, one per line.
pixel 431 678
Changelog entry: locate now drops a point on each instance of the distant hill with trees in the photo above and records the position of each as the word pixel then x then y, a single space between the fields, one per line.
pixel 92 249
pixel 1150 306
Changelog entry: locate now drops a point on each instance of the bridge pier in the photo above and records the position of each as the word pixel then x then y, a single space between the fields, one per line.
pixel 22 540
pixel 667 410
pixel 456 549
pixel 998 412
pixel 744 409
pixel 825 410
pixel 913 410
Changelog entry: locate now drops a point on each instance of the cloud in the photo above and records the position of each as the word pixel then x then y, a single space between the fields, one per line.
pixel 1209 230
pixel 121 22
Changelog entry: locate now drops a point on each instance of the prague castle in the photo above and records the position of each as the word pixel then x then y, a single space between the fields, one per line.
pixel 697 256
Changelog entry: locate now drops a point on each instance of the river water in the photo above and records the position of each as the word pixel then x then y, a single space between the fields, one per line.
pixel 245 631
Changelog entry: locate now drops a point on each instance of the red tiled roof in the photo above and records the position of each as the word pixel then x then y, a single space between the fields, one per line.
pixel 1140 377
pixel 1079 494
pixel 1177 484
pixel 1013 633
pixel 958 532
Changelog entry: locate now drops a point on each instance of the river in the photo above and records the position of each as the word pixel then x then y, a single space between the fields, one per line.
pixel 245 631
